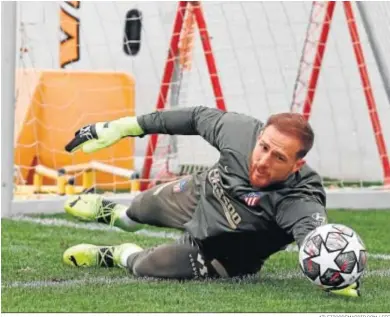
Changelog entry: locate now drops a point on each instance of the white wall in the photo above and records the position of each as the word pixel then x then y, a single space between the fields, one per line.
pixel 257 47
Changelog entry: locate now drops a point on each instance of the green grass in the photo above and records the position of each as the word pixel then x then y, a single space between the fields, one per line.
pixel 32 254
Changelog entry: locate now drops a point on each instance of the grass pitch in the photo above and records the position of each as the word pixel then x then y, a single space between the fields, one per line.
pixel 34 279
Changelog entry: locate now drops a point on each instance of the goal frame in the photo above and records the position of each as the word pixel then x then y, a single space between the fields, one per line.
pixel 341 198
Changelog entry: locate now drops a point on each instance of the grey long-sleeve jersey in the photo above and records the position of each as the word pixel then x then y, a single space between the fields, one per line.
pixel 232 217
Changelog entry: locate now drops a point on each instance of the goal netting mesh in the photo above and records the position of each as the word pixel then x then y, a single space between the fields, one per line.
pixel 81 62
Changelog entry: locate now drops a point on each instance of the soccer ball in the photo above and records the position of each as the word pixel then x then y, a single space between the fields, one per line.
pixel 333 256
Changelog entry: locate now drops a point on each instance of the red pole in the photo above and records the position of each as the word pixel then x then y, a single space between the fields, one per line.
pixel 318 59
pixel 376 125
pixel 208 53
pixel 164 88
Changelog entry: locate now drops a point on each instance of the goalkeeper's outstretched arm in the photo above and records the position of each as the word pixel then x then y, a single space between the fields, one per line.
pixel 217 127
pixel 200 120
pixel 185 121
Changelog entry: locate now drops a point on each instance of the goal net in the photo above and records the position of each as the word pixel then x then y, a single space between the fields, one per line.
pixel 82 62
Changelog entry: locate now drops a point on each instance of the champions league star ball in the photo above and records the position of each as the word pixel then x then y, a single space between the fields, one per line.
pixel 333 256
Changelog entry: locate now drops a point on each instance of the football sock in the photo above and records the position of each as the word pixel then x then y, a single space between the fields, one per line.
pixel 122 220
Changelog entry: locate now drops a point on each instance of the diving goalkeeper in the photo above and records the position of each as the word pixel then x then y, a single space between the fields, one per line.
pixel 257 199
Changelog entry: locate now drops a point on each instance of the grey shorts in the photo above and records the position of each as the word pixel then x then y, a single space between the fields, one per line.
pixel 172 205
pixel 166 205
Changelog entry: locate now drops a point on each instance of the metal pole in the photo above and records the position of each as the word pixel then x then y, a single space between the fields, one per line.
pixel 380 57
pixel 8 67
pixel 173 164
pixel 365 79
pixel 165 84
pixel 315 73
pixel 208 53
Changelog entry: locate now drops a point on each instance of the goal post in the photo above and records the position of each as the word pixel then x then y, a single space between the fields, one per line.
pixel 384 71
pixel 324 13
pixel 8 66
pixel 368 93
pixel 113 59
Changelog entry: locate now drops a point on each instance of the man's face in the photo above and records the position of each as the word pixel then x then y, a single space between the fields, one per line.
pixel 274 158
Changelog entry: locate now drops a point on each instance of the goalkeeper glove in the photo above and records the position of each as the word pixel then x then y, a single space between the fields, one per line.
pixel 352 290
pixel 94 137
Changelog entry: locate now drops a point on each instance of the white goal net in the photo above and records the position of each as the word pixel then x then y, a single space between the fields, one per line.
pixel 81 62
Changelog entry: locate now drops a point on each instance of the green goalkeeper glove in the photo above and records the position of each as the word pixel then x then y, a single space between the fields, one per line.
pixel 94 137
pixel 352 290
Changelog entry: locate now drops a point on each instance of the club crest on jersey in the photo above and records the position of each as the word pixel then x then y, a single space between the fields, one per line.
pixel 251 199
pixel 179 187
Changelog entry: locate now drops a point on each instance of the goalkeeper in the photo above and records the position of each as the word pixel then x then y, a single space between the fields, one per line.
pixel 257 199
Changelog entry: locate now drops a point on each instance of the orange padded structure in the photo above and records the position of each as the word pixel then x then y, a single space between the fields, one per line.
pixel 52 105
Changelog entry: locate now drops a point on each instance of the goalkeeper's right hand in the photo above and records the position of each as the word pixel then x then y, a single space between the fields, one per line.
pixel 94 137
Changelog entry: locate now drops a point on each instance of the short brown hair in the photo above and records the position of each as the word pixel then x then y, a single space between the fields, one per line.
pixel 295 125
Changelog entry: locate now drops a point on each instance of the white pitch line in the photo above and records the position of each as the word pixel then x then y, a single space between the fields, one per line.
pixel 142 232
pixel 131 280
pixel 93 226
pixel 65 223
pixel 62 283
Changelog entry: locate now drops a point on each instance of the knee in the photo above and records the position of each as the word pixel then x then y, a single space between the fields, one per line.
pixel 150 266
pixel 162 262
pixel 143 208
pixel 130 212
pixel 134 210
